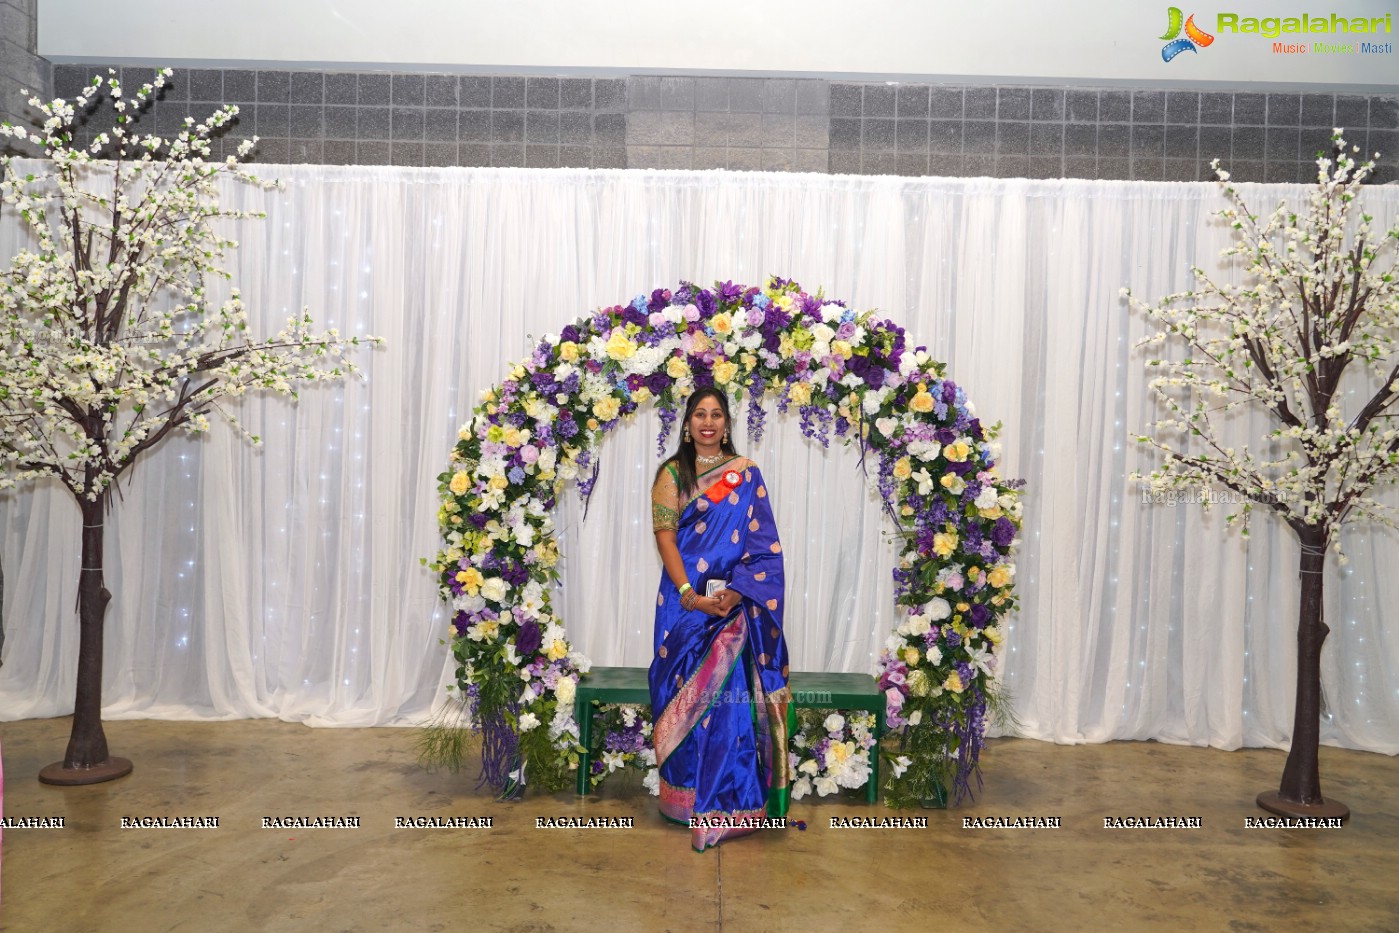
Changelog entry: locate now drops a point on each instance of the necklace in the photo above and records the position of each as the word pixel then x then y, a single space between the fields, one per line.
pixel 709 461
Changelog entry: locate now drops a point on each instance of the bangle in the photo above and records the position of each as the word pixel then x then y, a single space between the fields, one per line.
pixel 685 588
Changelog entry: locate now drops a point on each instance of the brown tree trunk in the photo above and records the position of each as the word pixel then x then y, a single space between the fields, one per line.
pixel 1301 777
pixel 87 746
pixel 87 760
pixel 1299 794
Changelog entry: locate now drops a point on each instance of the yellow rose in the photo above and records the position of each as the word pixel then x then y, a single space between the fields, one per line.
pixel 699 343
pixel 724 372
pixel 992 513
pixel 944 543
pixel 499 481
pixel 592 424
pixel 964 607
pixel 749 360
pixel 722 324
pixel 953 683
pixel 800 392
pixel 911 656
pixel 607 408
pixel 785 347
pixel 957 452
pixel 568 351
pixel 998 577
pixel 512 437
pixel 642 394
pixel 619 347
pixel 921 400
pixel 842 348
pixel 906 510
pixel 558 649
pixel 461 482
pixel 677 368
pixel 953 483
pixel 903 469
pixel 993 634
pixel 471 579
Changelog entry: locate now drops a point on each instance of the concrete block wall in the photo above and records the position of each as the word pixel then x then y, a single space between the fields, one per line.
pixel 773 123
pixel 20 67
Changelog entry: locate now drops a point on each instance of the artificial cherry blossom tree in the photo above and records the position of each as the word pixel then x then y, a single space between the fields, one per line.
pixel 1309 339
pixel 115 335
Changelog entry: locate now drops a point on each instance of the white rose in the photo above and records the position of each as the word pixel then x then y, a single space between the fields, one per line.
pixel 528 721
pixel 915 717
pixel 934 655
pixel 987 498
pixel 938 609
pixel 495 589
pixel 916 625
pixel 565 690
pixel 835 722
pixel 887 426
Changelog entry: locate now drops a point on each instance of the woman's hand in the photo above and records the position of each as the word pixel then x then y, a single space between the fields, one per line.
pixel 720 605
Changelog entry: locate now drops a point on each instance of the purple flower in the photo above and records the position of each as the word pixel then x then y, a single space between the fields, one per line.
pixel 657 382
pixel 528 638
pixel 570 334
pixel 1003 532
pixel 728 291
pixel 706 302
pixel 660 299
pixel 980 615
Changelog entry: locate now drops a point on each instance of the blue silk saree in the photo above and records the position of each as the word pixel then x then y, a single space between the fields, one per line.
pixel 719 692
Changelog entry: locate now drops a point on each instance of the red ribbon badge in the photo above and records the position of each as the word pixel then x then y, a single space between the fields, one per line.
pixel 726 484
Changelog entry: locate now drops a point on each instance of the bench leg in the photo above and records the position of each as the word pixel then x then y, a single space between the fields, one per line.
pixel 583 715
pixel 872 788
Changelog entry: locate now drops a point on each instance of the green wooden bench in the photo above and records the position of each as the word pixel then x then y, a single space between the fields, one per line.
pixel 612 685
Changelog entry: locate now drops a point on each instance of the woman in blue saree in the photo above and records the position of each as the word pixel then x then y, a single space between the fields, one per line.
pixel 719 676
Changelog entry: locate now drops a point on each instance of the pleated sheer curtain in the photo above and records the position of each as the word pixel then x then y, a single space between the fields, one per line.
pixel 285 582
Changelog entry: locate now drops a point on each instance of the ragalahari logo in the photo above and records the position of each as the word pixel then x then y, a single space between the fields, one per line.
pixel 1175 43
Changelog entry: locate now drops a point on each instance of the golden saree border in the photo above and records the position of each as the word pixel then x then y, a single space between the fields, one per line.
pixel 773 734
pixel 677 803
pixel 703 480
pixel 702 837
pixel 692 700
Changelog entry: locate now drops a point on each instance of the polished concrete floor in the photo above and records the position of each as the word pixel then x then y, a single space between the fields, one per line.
pixel 94 875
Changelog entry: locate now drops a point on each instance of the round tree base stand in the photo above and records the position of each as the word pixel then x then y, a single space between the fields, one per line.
pixel 109 770
pixel 1327 809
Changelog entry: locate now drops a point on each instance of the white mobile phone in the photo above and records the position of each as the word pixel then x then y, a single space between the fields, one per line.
pixel 715 587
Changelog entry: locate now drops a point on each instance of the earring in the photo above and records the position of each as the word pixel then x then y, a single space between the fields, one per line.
pixel 687 434
pixel 726 435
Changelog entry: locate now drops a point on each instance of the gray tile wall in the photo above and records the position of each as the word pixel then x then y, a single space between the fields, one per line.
pixel 20 67
pixel 1048 132
pixel 773 123
pixel 375 118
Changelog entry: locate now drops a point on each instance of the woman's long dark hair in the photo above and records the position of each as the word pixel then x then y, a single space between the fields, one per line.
pixel 684 456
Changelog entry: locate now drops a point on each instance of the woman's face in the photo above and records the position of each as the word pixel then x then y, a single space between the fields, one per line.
pixel 707 423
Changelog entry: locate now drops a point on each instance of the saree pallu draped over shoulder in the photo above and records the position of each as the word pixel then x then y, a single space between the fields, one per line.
pixel 719 685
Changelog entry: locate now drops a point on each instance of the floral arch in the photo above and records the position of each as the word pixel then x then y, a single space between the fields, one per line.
pixel 848 375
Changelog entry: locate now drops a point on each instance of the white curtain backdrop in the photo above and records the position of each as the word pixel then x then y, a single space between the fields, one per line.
pixel 285 582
